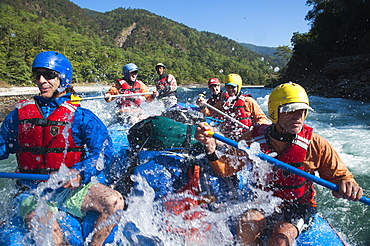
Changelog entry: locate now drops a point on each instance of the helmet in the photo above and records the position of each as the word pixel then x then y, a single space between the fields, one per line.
pixel 213 81
pixel 55 61
pixel 160 65
pixel 128 68
pixel 235 80
pixel 287 97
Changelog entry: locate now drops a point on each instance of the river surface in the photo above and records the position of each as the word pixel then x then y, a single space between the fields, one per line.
pixel 344 123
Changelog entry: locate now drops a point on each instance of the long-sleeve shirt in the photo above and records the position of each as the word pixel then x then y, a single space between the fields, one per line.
pixel 320 157
pixel 87 130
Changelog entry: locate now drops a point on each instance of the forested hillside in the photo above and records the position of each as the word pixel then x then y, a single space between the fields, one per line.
pixel 333 58
pixel 99 44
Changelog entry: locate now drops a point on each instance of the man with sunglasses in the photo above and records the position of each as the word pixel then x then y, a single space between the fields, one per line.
pixel 52 134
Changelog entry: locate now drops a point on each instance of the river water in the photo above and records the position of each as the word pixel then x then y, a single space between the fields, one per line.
pixel 344 123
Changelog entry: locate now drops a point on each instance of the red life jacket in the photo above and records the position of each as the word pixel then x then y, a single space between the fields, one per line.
pixel 166 92
pixel 183 204
pixel 287 185
pixel 238 112
pixel 127 89
pixel 217 98
pixel 43 147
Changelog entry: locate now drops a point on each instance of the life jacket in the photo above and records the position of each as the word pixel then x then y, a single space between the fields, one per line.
pixel 187 199
pixel 217 98
pixel 286 185
pixel 43 145
pixel 164 81
pixel 237 111
pixel 127 89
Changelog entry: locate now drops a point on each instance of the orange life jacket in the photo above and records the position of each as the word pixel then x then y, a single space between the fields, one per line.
pixel 127 89
pixel 287 185
pixel 46 144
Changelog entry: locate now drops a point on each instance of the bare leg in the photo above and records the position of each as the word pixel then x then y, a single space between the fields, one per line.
pixel 250 226
pixel 44 220
pixel 283 234
pixel 106 201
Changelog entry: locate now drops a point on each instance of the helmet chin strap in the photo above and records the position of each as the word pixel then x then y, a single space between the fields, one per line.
pixel 281 136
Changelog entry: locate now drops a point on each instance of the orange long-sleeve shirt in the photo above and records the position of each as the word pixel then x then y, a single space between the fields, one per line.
pixel 321 157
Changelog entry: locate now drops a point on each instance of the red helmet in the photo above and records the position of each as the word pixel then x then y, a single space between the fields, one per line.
pixel 213 81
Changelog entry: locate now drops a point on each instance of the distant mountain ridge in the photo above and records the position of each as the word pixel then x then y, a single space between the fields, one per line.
pixel 268 51
pixel 99 44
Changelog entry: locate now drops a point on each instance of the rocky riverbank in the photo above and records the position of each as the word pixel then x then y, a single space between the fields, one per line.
pixel 343 77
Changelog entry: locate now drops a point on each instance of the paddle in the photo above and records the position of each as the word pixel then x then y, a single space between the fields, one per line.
pixel 76 98
pixel 286 167
pixel 26 176
pixel 222 113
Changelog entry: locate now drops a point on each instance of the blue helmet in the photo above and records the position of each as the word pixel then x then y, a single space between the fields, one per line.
pixel 128 68
pixel 55 61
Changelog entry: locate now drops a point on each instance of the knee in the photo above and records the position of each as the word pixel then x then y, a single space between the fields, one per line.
pixel 114 202
pixel 284 233
pixel 251 215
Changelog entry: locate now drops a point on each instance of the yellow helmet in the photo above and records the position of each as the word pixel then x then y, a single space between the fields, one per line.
pixel 287 97
pixel 160 64
pixel 234 79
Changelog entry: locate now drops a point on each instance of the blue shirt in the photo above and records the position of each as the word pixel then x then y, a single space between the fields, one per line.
pixel 87 130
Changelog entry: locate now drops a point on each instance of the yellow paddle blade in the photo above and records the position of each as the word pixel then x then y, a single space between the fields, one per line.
pixel 75 99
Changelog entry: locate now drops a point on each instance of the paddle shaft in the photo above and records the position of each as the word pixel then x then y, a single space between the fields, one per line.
pixel 228 116
pixel 114 96
pixel 26 176
pixel 288 167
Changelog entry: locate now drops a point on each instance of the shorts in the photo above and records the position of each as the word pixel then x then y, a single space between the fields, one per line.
pixel 68 200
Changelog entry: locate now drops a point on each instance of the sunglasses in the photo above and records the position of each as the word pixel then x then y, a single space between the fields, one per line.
pixel 47 74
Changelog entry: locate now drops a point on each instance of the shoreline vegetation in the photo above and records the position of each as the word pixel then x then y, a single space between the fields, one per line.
pixel 8 90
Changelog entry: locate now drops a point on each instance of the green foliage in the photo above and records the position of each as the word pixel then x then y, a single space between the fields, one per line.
pixel 284 51
pixel 99 44
pixel 338 28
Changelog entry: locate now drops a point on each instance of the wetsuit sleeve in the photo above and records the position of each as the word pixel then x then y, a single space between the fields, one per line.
pixel 9 135
pixel 229 159
pixel 252 108
pixel 228 163
pixel 89 131
pixel 322 157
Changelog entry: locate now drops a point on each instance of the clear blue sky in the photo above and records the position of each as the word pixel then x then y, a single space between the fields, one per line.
pixel 259 22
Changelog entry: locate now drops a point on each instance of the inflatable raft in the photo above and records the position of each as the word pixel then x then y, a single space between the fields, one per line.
pixel 168 181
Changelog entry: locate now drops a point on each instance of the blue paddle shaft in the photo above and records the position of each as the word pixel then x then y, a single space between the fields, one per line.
pixel 26 176
pixel 289 168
